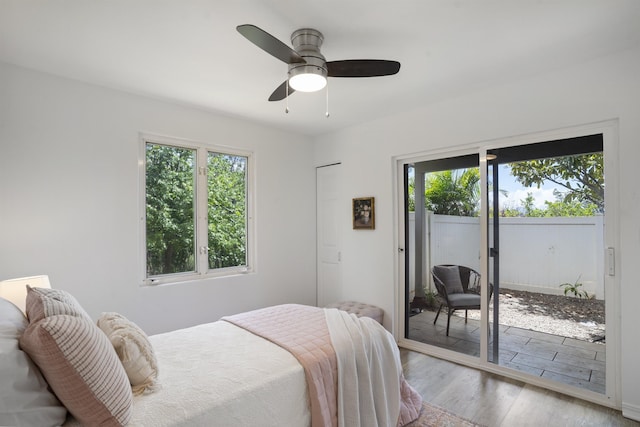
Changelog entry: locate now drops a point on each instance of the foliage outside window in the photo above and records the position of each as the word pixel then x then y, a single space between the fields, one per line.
pixel 227 210
pixel 457 192
pixel 196 211
pixel 170 214
pixel 453 192
pixel 582 176
pixel 450 192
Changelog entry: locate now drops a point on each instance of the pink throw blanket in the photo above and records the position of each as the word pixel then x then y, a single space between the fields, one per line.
pixel 302 330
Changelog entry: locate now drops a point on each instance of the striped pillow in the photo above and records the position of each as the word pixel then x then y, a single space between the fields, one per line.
pixel 45 302
pixel 79 363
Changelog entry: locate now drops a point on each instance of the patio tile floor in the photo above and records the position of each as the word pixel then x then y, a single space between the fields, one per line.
pixel 567 360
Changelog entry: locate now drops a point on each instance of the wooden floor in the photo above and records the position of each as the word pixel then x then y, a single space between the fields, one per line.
pixel 570 361
pixel 491 400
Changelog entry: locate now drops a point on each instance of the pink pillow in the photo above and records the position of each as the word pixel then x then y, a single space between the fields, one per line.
pixel 45 302
pixel 77 359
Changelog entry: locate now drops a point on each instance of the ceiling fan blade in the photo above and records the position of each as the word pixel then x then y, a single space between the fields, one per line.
pixel 270 44
pixel 281 92
pixel 362 68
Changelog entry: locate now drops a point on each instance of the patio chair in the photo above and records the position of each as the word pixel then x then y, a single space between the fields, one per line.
pixel 458 288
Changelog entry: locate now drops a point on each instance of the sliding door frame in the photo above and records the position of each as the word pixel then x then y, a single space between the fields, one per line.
pixel 609 131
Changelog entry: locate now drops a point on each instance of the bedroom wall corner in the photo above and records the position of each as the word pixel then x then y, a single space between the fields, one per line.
pixel 69 200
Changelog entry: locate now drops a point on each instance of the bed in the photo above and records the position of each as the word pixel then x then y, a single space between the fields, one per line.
pixel 287 365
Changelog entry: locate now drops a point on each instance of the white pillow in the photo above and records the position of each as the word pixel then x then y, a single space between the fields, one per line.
pixel 25 398
pixel 134 350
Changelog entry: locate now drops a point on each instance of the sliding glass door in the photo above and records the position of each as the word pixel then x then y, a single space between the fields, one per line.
pixel 442 211
pixel 546 260
pixel 523 227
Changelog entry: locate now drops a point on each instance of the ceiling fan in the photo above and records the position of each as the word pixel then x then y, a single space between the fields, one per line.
pixel 308 69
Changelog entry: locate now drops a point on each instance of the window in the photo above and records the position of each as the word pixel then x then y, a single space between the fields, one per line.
pixel 196 210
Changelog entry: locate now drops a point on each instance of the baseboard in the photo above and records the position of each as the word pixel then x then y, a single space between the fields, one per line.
pixel 631 411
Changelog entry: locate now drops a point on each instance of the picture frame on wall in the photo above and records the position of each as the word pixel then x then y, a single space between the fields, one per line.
pixel 363 213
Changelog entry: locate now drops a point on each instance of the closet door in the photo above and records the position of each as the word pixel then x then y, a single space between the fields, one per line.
pixel 328 200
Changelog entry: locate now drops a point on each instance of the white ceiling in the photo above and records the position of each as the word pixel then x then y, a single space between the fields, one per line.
pixel 188 51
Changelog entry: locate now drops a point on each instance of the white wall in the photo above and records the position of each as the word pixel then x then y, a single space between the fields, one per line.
pixel 608 88
pixel 69 201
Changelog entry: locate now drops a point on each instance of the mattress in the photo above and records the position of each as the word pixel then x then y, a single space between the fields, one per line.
pixel 220 374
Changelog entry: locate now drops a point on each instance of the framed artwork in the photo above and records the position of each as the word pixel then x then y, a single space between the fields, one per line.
pixel 363 213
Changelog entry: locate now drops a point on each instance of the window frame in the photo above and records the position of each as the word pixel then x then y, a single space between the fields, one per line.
pixel 202 270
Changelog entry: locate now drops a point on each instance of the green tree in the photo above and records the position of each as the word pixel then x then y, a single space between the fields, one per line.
pixel 582 176
pixel 529 208
pixel 411 192
pixel 453 192
pixel 557 208
pixel 572 208
pixel 227 210
pixel 169 209
pixel 510 212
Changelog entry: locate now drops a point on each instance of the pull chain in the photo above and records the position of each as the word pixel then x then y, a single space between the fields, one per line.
pixel 327 101
pixel 286 109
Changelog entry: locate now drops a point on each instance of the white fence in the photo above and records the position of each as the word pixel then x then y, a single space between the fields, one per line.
pixel 536 254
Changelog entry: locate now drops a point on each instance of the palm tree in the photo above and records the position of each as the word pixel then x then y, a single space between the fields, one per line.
pixel 453 192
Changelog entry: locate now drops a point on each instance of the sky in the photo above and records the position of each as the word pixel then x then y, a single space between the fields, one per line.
pixel 517 193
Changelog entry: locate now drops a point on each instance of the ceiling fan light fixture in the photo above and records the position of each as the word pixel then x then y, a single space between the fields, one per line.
pixel 308 68
pixel 307 79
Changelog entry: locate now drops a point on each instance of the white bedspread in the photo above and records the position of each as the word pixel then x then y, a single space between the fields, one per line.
pixel 369 371
pixel 217 374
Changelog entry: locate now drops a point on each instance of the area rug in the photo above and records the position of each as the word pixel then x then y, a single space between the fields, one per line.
pixel 434 416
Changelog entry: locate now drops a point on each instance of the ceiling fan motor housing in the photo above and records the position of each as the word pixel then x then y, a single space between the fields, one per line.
pixel 307 42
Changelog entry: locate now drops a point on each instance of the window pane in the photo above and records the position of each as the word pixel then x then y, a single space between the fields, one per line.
pixel 227 207
pixel 170 190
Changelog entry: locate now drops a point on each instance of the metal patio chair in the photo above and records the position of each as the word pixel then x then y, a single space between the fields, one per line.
pixel 458 288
